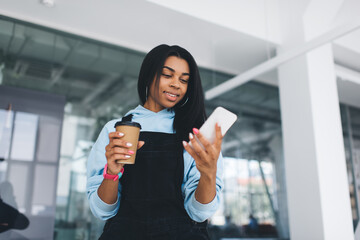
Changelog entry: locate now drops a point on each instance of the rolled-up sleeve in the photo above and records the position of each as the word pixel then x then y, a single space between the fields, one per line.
pixel 197 211
pixel 95 168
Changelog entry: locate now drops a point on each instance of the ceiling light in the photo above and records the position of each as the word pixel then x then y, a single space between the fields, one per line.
pixel 48 3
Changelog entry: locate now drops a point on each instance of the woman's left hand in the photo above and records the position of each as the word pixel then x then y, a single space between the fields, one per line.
pixel 205 158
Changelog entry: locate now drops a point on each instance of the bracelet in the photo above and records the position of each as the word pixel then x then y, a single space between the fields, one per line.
pixel 110 176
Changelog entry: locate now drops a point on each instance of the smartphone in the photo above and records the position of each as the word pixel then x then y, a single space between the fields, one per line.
pixel 223 117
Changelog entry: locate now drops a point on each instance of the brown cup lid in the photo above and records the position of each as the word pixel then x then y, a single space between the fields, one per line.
pixel 127 123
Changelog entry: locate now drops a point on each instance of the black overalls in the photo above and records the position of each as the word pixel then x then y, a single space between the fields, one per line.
pixel 151 205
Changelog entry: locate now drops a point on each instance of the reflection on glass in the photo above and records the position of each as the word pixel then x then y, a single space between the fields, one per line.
pixel 6 119
pixel 245 192
pixel 350 117
pixel 24 138
pixel 244 195
pixel 43 190
pixel 73 216
pixel 3 170
pixel 20 184
pixel 49 139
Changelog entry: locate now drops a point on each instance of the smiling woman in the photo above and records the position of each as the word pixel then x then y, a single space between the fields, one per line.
pixel 171 190
pixel 172 85
pixel 178 65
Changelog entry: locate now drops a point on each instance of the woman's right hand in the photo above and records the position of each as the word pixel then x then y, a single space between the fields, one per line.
pixel 118 149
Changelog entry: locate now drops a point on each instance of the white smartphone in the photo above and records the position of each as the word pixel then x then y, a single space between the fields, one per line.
pixel 223 117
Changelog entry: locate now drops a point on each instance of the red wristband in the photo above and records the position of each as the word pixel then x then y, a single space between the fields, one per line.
pixel 112 177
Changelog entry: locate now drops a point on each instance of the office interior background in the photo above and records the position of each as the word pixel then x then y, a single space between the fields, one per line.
pixel 290 70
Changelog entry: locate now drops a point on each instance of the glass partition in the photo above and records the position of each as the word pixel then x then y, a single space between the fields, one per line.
pixel 28 172
pixel 350 117
pixel 99 83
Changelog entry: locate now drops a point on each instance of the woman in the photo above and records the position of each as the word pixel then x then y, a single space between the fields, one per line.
pixel 172 189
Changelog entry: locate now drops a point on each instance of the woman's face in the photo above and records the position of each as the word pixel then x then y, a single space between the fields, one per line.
pixel 172 87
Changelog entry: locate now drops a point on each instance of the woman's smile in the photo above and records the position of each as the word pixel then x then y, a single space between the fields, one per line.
pixel 171 96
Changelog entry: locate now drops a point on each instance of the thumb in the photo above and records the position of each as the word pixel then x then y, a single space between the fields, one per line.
pixel 140 144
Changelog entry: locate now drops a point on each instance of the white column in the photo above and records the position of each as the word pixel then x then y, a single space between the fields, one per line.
pixel 317 186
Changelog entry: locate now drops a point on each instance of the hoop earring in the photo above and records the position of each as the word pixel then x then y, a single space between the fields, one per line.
pixel 185 102
pixel 146 93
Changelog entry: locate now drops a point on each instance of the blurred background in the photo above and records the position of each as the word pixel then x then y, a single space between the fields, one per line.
pixel 292 159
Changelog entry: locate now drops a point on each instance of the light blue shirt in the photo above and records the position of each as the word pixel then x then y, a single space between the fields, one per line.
pixel 151 122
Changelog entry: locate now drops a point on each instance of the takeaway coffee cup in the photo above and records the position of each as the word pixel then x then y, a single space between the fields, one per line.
pixel 131 131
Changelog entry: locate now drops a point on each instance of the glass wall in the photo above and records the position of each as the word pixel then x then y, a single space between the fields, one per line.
pixel 350 117
pixel 30 132
pixel 253 151
pixel 99 83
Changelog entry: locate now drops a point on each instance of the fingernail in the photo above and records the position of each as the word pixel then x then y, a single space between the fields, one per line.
pixel 131 152
pixel 121 134
pixel 184 143
pixel 191 136
pixel 128 144
pixel 127 156
pixel 195 130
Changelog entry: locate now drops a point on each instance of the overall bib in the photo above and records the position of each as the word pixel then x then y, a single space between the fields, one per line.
pixel 151 204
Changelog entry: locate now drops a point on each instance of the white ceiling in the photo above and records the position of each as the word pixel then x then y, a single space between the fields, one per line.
pixel 141 25
pixel 257 18
pixel 231 37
